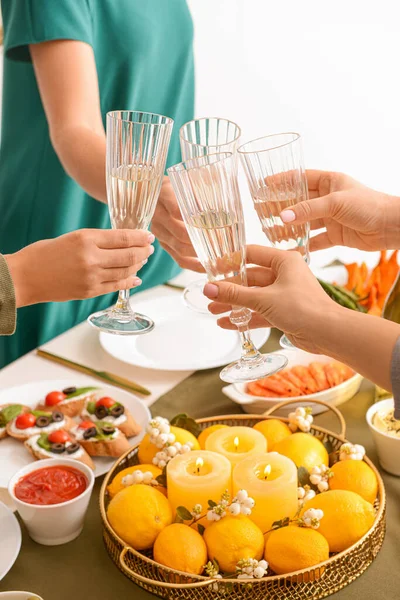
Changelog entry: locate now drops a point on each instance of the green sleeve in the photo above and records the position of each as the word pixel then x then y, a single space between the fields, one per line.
pixel 34 21
pixel 8 311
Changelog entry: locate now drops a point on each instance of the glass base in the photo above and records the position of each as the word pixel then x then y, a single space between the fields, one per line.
pixel 286 344
pixel 247 370
pixel 125 324
pixel 194 298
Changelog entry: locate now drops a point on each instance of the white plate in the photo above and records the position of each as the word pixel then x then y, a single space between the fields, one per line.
pixel 19 596
pixel 14 455
pixel 182 339
pixel 336 395
pixel 10 539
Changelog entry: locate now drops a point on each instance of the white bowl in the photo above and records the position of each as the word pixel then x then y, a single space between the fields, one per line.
pixel 19 596
pixel 336 395
pixel 388 447
pixel 53 524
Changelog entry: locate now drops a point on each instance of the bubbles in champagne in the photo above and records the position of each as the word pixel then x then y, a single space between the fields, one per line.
pixel 132 192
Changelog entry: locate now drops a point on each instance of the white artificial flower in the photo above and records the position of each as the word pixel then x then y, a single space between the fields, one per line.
pixel 301 493
pixel 249 503
pixel 323 486
pixel 259 572
pixel 147 476
pixel 242 495
pixel 234 508
pixel 171 451
pixel 245 511
pixel 315 479
pixel 161 464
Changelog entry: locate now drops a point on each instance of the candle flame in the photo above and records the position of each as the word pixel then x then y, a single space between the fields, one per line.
pixel 236 443
pixel 199 464
pixel 267 471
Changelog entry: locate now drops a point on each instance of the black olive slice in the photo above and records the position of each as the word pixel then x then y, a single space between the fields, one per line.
pixel 101 412
pixel 57 416
pixel 72 448
pixel 43 421
pixel 117 411
pixel 57 448
pixel 108 429
pixel 89 433
pixel 70 390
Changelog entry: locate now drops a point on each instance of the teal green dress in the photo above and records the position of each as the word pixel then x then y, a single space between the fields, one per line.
pixel 144 58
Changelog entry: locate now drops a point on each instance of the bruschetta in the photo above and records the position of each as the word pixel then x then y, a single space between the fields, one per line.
pixel 55 444
pixel 33 422
pixel 70 401
pixel 8 412
pixel 100 439
pixel 110 411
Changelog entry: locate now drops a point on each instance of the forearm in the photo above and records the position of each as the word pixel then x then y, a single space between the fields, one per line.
pixel 7 300
pixel 82 152
pixel 364 342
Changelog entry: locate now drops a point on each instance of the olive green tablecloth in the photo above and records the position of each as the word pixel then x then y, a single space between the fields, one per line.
pixel 81 570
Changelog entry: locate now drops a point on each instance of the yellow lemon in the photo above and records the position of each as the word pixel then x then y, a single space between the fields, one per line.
pixel 148 450
pixel 206 432
pixel 232 538
pixel 304 449
pixel 273 430
pixel 347 517
pixel 293 548
pixel 182 548
pixel 138 514
pixel 116 484
pixel 355 476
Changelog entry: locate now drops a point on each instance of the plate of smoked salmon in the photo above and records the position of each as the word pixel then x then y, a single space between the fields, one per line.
pixel 306 377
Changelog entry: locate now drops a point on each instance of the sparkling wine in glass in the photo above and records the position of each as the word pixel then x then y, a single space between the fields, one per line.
pixel 137 147
pixel 275 172
pixel 208 196
pixel 199 137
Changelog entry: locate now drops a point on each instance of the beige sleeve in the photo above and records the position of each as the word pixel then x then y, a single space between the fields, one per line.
pixel 8 310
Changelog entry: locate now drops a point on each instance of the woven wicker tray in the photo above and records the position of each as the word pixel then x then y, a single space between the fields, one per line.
pixel 317 582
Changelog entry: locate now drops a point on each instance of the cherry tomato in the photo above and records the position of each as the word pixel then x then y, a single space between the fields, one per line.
pixel 25 420
pixel 86 424
pixel 59 437
pixel 54 398
pixel 106 401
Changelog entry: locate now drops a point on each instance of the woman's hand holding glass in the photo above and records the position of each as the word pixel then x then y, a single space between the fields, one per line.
pixel 351 214
pixel 78 265
pixel 282 292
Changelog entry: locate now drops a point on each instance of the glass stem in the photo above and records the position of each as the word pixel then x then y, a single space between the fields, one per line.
pixel 241 318
pixel 122 305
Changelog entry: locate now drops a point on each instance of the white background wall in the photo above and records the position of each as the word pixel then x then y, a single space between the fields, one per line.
pixel 329 69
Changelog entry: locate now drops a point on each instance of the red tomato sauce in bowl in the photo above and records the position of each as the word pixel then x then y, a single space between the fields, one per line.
pixel 51 485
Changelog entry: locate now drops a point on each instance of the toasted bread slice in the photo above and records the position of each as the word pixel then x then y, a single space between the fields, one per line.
pixel 3 430
pixel 40 455
pixel 129 427
pixel 114 447
pixel 70 408
pixel 66 424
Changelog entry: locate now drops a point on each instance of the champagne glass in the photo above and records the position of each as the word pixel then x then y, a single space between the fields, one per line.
pixel 275 172
pixel 210 135
pixel 208 196
pixel 137 147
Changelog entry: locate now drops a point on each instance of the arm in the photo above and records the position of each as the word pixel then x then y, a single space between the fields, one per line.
pixel 288 296
pixel 7 300
pixel 82 264
pixel 67 78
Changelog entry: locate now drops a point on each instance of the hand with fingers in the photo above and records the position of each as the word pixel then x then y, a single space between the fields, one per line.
pixel 351 214
pixel 282 292
pixel 169 228
pixel 288 296
pixel 81 264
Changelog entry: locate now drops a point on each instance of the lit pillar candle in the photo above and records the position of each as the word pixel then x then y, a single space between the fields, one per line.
pixel 236 443
pixel 197 477
pixel 271 480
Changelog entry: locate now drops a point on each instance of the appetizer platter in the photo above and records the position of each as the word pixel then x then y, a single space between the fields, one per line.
pixel 307 376
pixel 87 422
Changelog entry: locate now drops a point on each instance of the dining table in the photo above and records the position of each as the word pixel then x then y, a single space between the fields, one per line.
pixel 82 569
